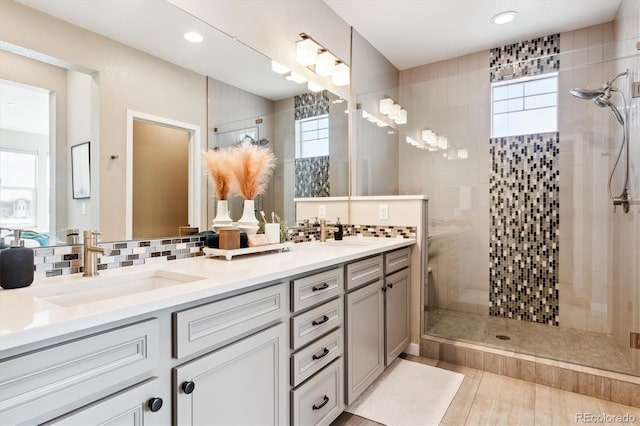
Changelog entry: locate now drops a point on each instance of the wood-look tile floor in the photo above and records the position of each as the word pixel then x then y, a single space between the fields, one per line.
pixel 489 399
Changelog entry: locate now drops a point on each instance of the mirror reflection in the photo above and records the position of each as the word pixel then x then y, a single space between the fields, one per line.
pixel 94 83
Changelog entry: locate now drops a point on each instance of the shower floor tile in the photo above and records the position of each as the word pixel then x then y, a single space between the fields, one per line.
pixel 587 348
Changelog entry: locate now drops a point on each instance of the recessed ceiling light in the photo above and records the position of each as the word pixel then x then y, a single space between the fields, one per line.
pixel 504 17
pixel 193 37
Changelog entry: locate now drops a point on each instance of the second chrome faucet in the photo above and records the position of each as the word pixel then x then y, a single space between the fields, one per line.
pixel 90 252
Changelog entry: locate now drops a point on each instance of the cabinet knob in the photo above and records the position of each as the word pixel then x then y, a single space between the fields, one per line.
pixel 390 285
pixel 384 289
pixel 188 387
pixel 155 404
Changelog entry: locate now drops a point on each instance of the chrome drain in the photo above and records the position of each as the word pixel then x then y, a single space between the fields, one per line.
pixel 503 337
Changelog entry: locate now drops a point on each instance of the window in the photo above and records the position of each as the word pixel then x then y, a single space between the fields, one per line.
pixel 525 106
pixel 18 170
pixel 312 136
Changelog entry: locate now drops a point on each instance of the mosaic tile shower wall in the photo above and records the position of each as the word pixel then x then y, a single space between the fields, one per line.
pixel 531 57
pixel 312 177
pixel 311 104
pixel 524 229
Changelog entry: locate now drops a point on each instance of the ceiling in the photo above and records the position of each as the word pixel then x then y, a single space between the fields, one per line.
pixel 157 27
pixel 410 33
pixel 24 108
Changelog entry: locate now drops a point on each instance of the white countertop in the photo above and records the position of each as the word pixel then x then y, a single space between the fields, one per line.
pixel 26 319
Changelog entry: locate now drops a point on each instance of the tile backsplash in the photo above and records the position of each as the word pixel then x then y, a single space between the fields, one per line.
pixel 65 260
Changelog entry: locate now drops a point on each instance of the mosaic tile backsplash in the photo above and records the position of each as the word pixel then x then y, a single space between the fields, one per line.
pixel 65 260
pixel 531 57
pixel 524 229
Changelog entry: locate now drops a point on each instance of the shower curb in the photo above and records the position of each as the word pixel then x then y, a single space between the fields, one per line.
pixel 606 385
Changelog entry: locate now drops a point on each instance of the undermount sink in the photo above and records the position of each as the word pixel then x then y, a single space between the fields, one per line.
pixel 95 289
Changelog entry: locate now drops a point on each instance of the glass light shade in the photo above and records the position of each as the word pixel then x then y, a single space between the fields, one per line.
pixel 306 52
pixel 402 117
pixel 296 78
pixel 340 76
pixel 278 67
pixel 325 64
pixel 380 123
pixel 432 148
pixel 314 87
pixel 425 135
pixel 443 143
pixel 386 106
pixel 395 112
pixel 463 154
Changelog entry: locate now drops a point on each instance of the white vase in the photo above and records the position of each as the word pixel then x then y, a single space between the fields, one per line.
pixel 248 222
pixel 222 219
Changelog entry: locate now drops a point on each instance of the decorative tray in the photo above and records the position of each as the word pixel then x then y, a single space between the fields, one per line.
pixel 228 254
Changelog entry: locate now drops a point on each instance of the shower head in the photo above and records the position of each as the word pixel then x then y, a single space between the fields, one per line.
pixel 603 101
pixel 586 93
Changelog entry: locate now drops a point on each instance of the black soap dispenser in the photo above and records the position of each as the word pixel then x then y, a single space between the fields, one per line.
pixel 16 264
pixel 337 235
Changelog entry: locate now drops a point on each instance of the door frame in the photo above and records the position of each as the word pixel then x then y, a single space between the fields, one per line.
pixel 194 165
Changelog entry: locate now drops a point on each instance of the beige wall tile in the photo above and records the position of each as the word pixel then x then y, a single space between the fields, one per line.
pixel 494 363
pixel 430 349
pixel 546 375
pixel 625 393
pixel 527 370
pixel 567 379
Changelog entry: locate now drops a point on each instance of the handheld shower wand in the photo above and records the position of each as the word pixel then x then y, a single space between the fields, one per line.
pixel 602 98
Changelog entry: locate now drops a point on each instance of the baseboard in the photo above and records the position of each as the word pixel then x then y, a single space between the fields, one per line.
pixel 413 349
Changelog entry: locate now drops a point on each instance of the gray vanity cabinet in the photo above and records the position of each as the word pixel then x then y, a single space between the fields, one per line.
pixel 397 315
pixel 365 338
pixel 377 317
pixel 243 383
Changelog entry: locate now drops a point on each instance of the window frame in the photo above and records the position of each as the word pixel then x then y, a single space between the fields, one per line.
pixel 33 189
pixel 298 135
pixel 524 80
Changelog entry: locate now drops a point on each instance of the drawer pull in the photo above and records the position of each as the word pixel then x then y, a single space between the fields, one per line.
pixel 155 404
pixel 188 387
pixel 325 352
pixel 322 321
pixel 324 402
pixel 324 286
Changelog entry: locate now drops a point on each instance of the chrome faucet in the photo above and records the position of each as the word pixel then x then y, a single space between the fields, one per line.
pixel 91 250
pixel 324 228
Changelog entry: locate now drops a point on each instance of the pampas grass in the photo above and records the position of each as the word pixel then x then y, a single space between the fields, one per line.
pixel 251 167
pixel 218 164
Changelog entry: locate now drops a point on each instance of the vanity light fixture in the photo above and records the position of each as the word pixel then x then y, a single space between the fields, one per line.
pixel 463 154
pixel 313 87
pixel 325 64
pixel 278 67
pixel 392 110
pixel 319 60
pixel 193 37
pixel 340 76
pixel 306 51
pixel 296 78
pixel 504 17
pixel 443 143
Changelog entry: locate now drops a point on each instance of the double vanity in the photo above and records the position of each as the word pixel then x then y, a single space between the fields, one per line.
pixel 280 338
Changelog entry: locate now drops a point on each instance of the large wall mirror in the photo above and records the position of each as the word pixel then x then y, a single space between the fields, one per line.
pixel 97 65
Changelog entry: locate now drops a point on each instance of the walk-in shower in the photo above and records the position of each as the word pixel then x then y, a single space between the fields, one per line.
pixel 602 98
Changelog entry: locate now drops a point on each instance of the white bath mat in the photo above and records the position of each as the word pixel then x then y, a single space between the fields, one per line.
pixel 408 393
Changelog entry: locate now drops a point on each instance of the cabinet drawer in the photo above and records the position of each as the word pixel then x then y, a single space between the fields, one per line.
pixel 130 406
pixel 316 322
pixel 364 271
pixel 396 260
pixel 219 322
pixel 317 288
pixel 319 401
pixel 311 359
pixel 46 383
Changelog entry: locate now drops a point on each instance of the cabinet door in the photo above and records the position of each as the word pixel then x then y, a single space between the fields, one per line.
pixel 397 315
pixel 244 383
pixel 129 407
pixel 365 338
